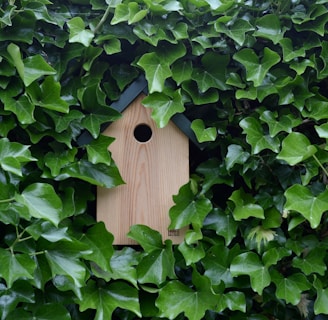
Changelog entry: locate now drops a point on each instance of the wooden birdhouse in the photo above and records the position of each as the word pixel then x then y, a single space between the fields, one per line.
pixel 153 162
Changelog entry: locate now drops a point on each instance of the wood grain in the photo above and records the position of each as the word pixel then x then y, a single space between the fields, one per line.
pixel 153 171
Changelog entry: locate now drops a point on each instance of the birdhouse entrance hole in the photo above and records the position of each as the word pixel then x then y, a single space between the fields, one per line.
pixel 142 133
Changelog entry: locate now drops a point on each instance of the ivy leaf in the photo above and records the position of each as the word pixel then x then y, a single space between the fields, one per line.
pixel 237 31
pixel 290 288
pixel 15 266
pixel 106 299
pixel 223 224
pixel 320 304
pixel 155 70
pixel 181 71
pixel 47 95
pixel 20 292
pixel 300 199
pixel 289 52
pixel 64 260
pixel 123 265
pixel 148 238
pixel 22 108
pixel 99 240
pixel 233 300
pixel 188 210
pixel 198 97
pixel 256 137
pixel 13 155
pixel 176 298
pixel 296 147
pixel 55 161
pixel 31 68
pixel 249 263
pixel 42 202
pixel 285 123
pixel 97 174
pixel 78 33
pixel 191 253
pixel 256 68
pixel 97 150
pixel 202 134
pixel 164 106
pixel 245 206
pixel 269 27
pixel 211 76
pixel 312 262
pixel 235 155
pixel 157 266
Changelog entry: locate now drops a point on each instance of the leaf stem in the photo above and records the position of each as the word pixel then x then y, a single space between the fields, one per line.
pixel 7 200
pixel 102 20
pixel 320 164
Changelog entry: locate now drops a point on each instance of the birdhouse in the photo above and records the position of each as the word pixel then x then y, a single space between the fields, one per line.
pixel 153 162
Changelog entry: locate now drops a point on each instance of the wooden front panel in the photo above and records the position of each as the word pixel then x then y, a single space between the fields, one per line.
pixel 153 171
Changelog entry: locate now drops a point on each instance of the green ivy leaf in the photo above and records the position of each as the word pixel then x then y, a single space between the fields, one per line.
pixel 237 31
pixel 202 134
pixel 198 97
pixel 42 202
pixel 312 262
pixel 245 206
pixel 157 266
pixel 269 27
pixel 99 240
pixel 249 263
pixel 181 71
pixel 296 147
pixel 233 300
pixel 320 304
pixel 15 266
pixel 188 210
pixel 97 150
pixel 22 108
pixel 123 265
pixel 223 224
pixel 156 71
pixel 13 155
pixel 192 253
pixel 164 106
pixel 78 33
pixel 176 298
pixel 274 255
pixel 55 161
pixel 148 238
pixel 256 68
pixel 256 137
pixel 289 52
pixel 97 174
pixel 235 155
pixel 106 299
pixel 300 199
pixel 284 123
pixel 48 96
pixel 10 298
pixel 290 288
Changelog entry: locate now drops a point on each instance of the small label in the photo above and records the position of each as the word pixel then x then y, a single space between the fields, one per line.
pixel 174 233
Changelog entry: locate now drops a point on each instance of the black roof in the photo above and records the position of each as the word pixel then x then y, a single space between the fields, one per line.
pixel 137 87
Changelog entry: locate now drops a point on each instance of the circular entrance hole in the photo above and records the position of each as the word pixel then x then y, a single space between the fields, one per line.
pixel 142 133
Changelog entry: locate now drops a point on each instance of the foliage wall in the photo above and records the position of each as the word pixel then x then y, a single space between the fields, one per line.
pixel 252 77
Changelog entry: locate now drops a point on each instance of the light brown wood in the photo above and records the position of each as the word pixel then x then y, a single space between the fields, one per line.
pixel 153 171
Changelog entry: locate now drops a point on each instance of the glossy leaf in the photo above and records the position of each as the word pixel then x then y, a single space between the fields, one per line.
pixel 106 299
pixel 78 33
pixel 320 304
pixel 269 27
pixel 15 266
pixel 148 238
pixel 248 263
pixel 256 137
pixel 203 134
pixel 235 155
pixel 312 262
pixel 156 71
pixel 97 150
pixel 290 288
pixel 257 68
pixel 300 199
pixel 164 106
pixel 42 202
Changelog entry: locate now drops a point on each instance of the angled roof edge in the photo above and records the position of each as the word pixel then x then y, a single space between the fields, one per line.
pixel 137 87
